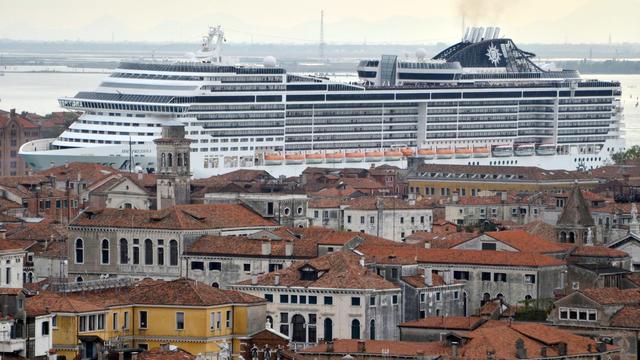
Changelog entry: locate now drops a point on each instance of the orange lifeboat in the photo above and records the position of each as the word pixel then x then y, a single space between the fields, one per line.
pixel 294 158
pixel 336 157
pixel 392 155
pixel 427 153
pixel 464 152
pixel 406 152
pixel 273 159
pixel 481 151
pixel 354 156
pixel 314 158
pixel 444 153
pixel 373 155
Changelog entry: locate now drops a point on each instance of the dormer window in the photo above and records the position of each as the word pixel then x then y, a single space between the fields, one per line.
pixel 308 273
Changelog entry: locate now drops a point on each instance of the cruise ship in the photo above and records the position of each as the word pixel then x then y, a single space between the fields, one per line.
pixel 482 101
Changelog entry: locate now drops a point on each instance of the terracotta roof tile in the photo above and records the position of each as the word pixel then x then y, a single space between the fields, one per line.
pixel 409 254
pixel 628 316
pixel 380 347
pixel 525 242
pixel 610 296
pixel 186 217
pixel 445 322
pixel 161 354
pixel 338 270
pixel 597 251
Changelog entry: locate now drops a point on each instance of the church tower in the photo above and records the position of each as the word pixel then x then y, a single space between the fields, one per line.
pixel 575 224
pixel 173 184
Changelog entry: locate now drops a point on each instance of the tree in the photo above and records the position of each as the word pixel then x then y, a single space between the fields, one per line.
pixel 631 154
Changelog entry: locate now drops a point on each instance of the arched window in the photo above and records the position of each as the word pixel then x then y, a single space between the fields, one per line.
pixel 355 329
pixel 372 330
pixel 30 277
pixel 170 160
pixel 299 329
pixel 173 253
pixel 215 285
pixel 148 252
pixel 79 279
pixel 104 252
pixel 79 251
pixel 328 329
pixel 179 159
pixel 563 237
pixel 186 159
pixel 163 160
pixel 124 251
pixel 572 237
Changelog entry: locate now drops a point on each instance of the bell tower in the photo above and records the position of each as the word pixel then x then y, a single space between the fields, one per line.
pixel 173 175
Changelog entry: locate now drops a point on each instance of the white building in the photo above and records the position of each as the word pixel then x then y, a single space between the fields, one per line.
pixel 333 296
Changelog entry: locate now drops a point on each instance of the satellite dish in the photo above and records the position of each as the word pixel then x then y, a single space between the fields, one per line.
pixel 269 61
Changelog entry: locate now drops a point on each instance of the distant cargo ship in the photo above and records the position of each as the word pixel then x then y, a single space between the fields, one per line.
pixel 481 101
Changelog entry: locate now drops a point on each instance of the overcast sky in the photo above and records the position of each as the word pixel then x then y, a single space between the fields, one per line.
pixel 298 21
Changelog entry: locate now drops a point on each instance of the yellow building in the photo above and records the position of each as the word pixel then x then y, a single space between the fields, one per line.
pixel 190 315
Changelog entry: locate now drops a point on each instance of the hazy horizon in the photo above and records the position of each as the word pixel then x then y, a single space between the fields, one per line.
pixel 298 22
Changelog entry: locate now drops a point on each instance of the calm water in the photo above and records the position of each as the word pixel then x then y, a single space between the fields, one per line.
pixel 38 92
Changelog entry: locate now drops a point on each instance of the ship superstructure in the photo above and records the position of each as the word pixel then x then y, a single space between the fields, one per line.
pixel 480 101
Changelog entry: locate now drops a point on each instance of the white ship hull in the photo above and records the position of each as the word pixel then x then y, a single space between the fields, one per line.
pixel 144 158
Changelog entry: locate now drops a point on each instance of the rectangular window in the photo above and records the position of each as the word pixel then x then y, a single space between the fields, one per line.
pixel 361 219
pixel 573 314
pixel 294 299
pixel 372 301
pixel 563 314
pixel 284 317
pixel 489 246
pixel 593 315
pixel 82 324
pixel 423 297
pixel 438 296
pixel 355 301
pixel 143 319
pixel 268 297
pixel 247 267
pixel 461 275
pixel 394 299
pixel 54 320
pixel 313 299
pixel 303 299
pixel 372 220
pixel 529 278
pixel 348 219
pixel 197 265
pixel 115 321
pixel 212 321
pixel 218 320
pixel 126 320
pixel 45 328
pixel 180 320
pixel 328 300
pixel 92 323
pixel 284 299
pixel 582 315
pixel 214 265
pixel 456 295
pixel 101 321
pixel 500 277
pixel 229 319
pixel 486 276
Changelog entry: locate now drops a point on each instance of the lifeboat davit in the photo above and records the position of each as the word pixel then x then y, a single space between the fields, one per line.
pixel 392 155
pixel 444 153
pixel 354 156
pixel 481 151
pixel 335 157
pixel 314 158
pixel 294 159
pixel 373 156
pixel 427 153
pixel 273 159
pixel 464 152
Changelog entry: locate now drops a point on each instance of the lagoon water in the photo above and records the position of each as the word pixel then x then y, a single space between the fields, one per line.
pixel 38 92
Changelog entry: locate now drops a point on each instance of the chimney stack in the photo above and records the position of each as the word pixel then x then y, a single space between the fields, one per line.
pixel 361 347
pixel 12 114
pixel 329 345
pixel 428 277
pixel 454 350
pixel 503 197
pixel 276 280
pixel 288 248
pixel 254 279
pixel 266 247
pixel 448 277
pixel 562 348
